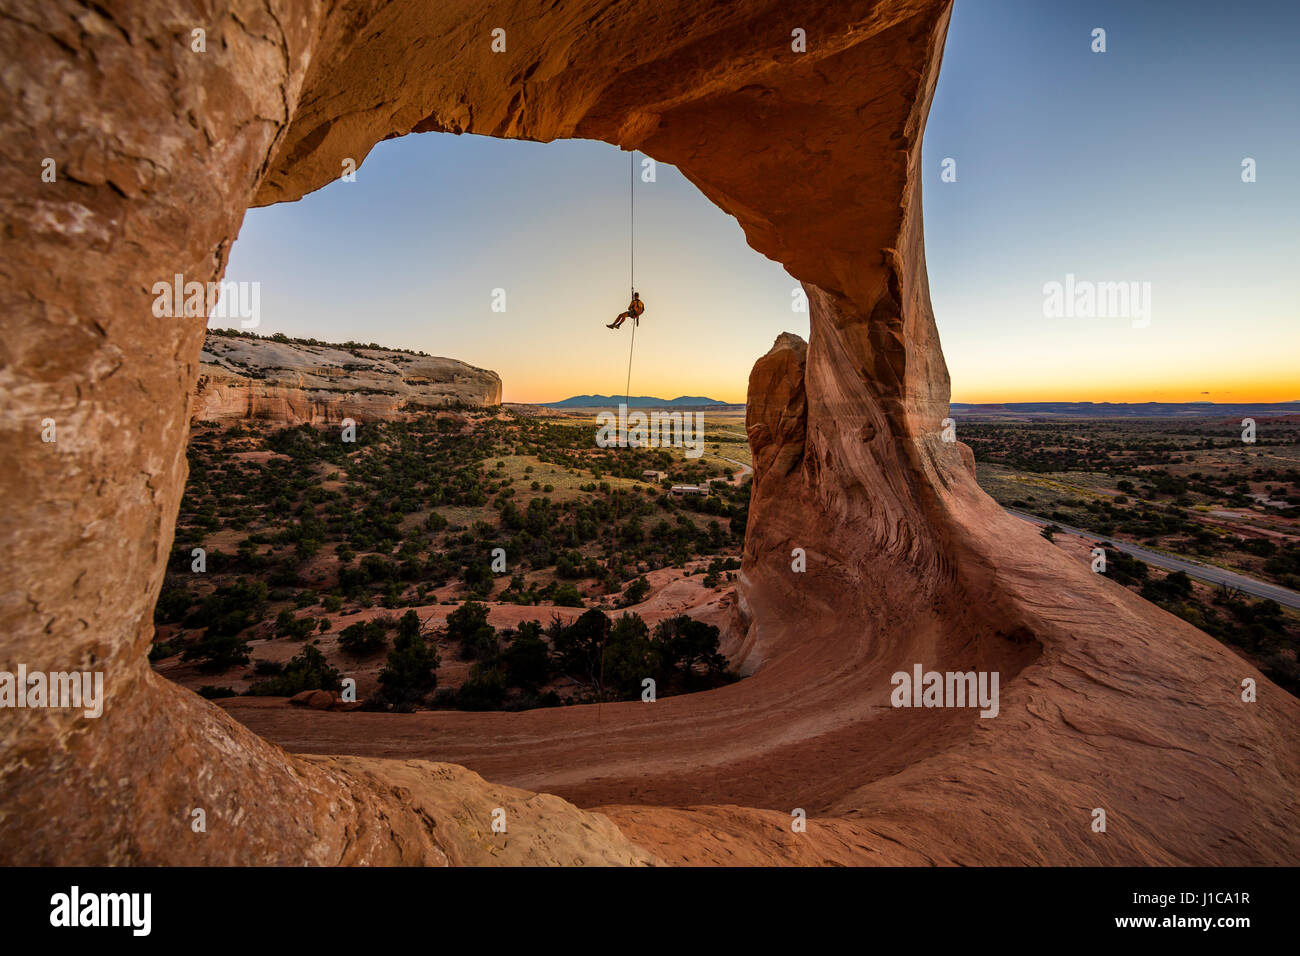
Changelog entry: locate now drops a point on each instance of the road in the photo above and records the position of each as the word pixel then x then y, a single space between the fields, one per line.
pixel 1193 569
pixel 744 470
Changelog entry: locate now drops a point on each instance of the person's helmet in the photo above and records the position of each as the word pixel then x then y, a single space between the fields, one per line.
pixel 636 295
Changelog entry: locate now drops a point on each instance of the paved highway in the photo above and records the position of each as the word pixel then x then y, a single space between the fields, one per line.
pixel 1193 569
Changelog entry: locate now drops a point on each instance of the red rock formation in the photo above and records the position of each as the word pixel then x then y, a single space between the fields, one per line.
pixel 280 381
pixel 1106 701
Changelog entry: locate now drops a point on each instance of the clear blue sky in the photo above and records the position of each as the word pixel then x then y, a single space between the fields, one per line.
pixel 1123 165
pixel 1115 166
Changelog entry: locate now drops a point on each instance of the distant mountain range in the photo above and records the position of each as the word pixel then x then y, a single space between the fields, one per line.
pixel 1125 409
pixel 995 410
pixel 636 401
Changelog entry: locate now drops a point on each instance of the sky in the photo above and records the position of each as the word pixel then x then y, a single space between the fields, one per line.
pixel 1116 166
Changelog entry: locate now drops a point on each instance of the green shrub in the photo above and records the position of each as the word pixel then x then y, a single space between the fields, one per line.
pixel 296 629
pixel 411 672
pixel 361 638
pixel 485 689
pixel 308 670
pixel 217 652
pixel 566 595
pixel 527 661
pixel 173 605
pixel 636 592
pixel 464 622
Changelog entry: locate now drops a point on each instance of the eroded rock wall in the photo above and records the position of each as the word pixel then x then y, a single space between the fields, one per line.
pixel 289 382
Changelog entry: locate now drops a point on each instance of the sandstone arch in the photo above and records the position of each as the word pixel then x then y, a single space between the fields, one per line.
pixel 1108 702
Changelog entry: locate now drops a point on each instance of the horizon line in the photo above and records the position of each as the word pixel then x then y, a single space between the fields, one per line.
pixel 1044 401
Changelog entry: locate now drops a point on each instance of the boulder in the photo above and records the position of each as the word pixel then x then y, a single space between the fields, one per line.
pixel 315 699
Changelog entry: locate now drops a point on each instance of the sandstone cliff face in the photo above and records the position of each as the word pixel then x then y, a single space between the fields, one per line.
pixel 257 378
pixel 1106 701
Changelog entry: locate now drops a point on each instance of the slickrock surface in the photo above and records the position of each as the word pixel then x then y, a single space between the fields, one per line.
pixel 281 381
pixel 1106 701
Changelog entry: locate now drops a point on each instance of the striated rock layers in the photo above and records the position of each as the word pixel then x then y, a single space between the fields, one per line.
pixel 283 381
pixel 1106 702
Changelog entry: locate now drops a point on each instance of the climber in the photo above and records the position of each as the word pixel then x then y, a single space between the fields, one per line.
pixel 634 310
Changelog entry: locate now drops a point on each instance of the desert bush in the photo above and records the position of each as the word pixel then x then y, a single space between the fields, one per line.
pixel 308 670
pixel 485 689
pixel 411 672
pixel 361 638
pixel 464 622
pixel 527 661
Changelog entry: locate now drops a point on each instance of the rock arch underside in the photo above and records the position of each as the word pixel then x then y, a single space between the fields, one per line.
pixel 1106 701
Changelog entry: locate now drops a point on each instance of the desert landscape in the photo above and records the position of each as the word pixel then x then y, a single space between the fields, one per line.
pixel 603 529
pixel 361 610
pixel 303 536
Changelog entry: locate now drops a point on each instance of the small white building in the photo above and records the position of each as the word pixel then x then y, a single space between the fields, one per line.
pixel 681 491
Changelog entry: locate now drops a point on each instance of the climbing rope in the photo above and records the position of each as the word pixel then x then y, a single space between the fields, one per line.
pixel 627 394
pixel 631 265
pixel 631 219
